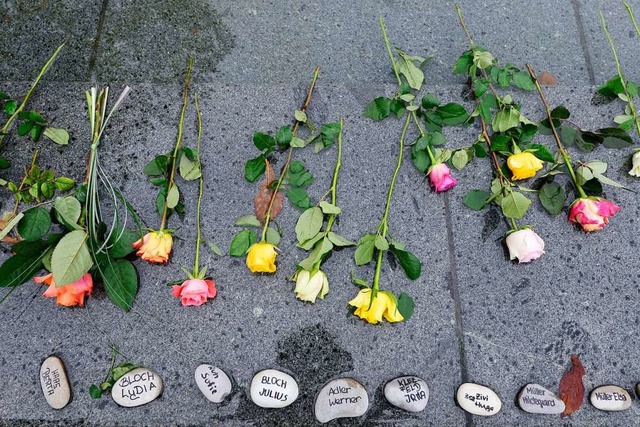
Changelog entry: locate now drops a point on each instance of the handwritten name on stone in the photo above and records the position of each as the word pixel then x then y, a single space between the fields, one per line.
pixel 341 398
pixel 478 399
pixel 137 387
pixel 213 383
pixel 273 389
pixel 610 398
pixel 535 399
pixel 54 382
pixel 409 393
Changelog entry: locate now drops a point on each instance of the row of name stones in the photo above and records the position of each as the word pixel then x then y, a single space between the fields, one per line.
pixel 340 398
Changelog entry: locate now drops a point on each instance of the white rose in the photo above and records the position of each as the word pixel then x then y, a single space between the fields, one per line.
pixel 635 164
pixel 308 287
pixel 525 245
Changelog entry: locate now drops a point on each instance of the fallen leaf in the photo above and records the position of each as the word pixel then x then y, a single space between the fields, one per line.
pixel 572 388
pixel 195 31
pixel 545 78
pixel 263 198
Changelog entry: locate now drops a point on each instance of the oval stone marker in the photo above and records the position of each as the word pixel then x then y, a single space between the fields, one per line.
pixel 54 382
pixel 137 387
pixel 213 383
pixel 535 399
pixel 409 393
pixel 341 398
pixel 610 398
pixel 478 399
pixel 273 389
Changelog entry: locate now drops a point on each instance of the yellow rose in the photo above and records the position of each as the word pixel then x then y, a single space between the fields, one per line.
pixel 154 246
pixel 309 287
pixel 261 258
pixel 383 305
pixel 524 165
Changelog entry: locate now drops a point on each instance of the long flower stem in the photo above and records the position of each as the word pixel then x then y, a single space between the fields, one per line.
pixel 334 181
pixel 632 16
pixel 196 264
pixel 185 100
pixel 388 45
pixel 563 152
pixel 464 26
pixel 43 70
pixel 384 227
pixel 632 105
pixel 24 179
pixel 422 133
pixel 285 168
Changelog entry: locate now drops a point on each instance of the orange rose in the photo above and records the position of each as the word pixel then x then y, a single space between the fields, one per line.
pixel 67 295
pixel 154 246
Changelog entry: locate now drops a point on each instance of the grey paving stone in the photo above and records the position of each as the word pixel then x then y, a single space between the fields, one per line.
pixel 30 32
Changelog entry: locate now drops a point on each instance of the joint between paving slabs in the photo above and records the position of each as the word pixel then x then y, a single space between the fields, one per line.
pixel 583 41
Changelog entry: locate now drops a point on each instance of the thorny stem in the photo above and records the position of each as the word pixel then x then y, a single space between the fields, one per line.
pixel 43 70
pixel 464 26
pixel 388 45
pixel 384 227
pixel 422 133
pixel 632 105
pixel 285 168
pixel 196 264
pixel 334 181
pixel 24 179
pixel 185 100
pixel 563 152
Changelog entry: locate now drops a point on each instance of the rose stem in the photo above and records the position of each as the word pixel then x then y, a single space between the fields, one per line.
pixel 24 179
pixel 185 100
pixel 563 152
pixel 285 168
pixel 334 181
pixel 196 264
pixel 632 105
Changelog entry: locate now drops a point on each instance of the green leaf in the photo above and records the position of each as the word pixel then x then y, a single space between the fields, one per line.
pixel 614 138
pixel 95 392
pixel 514 205
pixel 541 152
pixel 122 369
pixel 25 127
pixel 9 226
pixel 479 150
pixel 4 163
pixel 522 80
pixel 452 114
pixel 420 159
pixel 378 109
pixel 476 199
pixel 364 250
pixel 157 166
pixel 409 262
pixel 463 63
pixel 338 240
pixel 68 210
pixel 309 224
pixel 299 197
pixel 241 242
pixel 505 119
pixel 122 247
pixel 284 136
pixel 248 221
pixel 10 107
pixel 189 170
pixel 329 134
pixel 298 142
pixel 552 197
pixel 57 135
pixel 413 74
pixel 300 116
pixel 329 208
pixel 272 236
pixel 405 306
pixel 319 250
pixel 381 243
pixel 71 258
pixel 460 158
pixel 262 141
pixel 312 242
pixel 23 266
pixel 214 248
pixel 560 112
pixel 173 197
pixel 35 224
pixel 48 189
pixel 568 135
pixel 254 168
pixel 35 132
pixel 612 87
pixel 429 101
pixel 120 281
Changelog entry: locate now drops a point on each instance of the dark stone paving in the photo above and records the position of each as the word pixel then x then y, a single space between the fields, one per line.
pixel 478 317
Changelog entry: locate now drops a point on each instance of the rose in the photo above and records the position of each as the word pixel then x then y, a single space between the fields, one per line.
pixel 524 165
pixel 592 213
pixel 261 258
pixel 525 245
pixel 67 295
pixel 440 177
pixel 372 311
pixel 309 287
pixel 195 291
pixel 635 164
pixel 154 246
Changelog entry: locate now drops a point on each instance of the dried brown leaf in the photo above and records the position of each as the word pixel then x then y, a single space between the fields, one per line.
pixel 263 198
pixel 545 78
pixel 572 388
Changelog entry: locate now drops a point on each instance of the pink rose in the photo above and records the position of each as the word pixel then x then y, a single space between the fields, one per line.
pixel 440 177
pixel 592 213
pixel 195 291
pixel 525 245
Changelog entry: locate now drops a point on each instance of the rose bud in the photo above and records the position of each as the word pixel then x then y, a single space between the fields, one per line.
pixel 440 177
pixel 525 245
pixel 635 164
pixel 154 246
pixel 261 258
pixel 524 165
pixel 67 295
pixel 592 213
pixel 195 291
pixel 373 311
